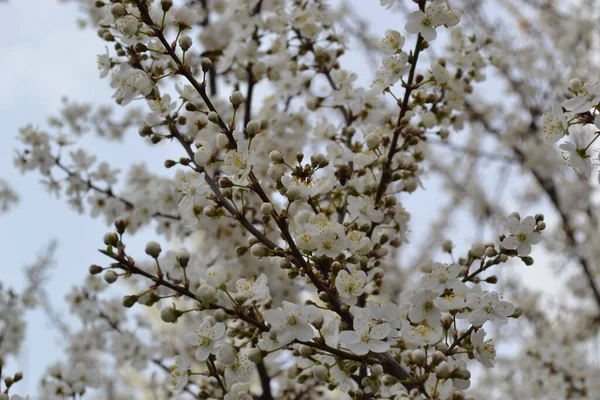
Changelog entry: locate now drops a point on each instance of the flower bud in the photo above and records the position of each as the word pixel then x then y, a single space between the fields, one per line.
pixel 527 260
pixel 447 246
pixel 418 357
pixel 220 315
pixel 275 171
pixel 376 370
pixel 117 10
pixel 518 311
pixel 259 250
pixel 293 194
pixel 320 372
pixel 207 293
pixel 185 42
pixel 490 252
pixel 95 269
pixel 372 140
pixel 153 249
pixel 226 354
pixel 276 157
pixel 166 4
pixel 461 373
pixel 255 355
pixel 575 85
pixel 206 64
pixel 213 117
pixel 183 258
pixel 236 99
pixel 121 224
pixel 253 127
pixel 266 208
pixel 222 140
pixel 111 239
pixel 111 276
pixel 478 250
pixel 169 314
pixel 129 301
pixel 443 370
pixel 18 376
pixel 306 351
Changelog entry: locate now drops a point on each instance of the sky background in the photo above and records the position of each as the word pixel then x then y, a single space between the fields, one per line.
pixel 46 56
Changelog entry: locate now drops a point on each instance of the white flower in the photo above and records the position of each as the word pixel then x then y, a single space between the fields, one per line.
pixel 439 72
pixel 585 98
pixel 366 336
pixel 330 243
pixel 254 290
pixel 575 154
pixel 342 376
pixel 162 106
pixel 421 22
pixel 392 42
pixel 104 64
pixel 179 373
pixel 350 285
pixel 484 352
pixel 455 300
pixel 292 322
pixel 364 209
pixel 424 309
pixel 238 391
pixel 207 337
pixel 393 68
pixel 236 163
pixel 331 331
pixel 441 276
pixel 128 25
pixel 185 18
pixel 240 370
pixel 488 306
pixel 522 235
pixel 554 124
pixel 421 335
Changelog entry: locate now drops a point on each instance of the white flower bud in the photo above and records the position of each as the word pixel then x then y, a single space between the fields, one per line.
pixel 259 250
pixel 293 194
pixel 213 117
pixel 222 140
pixel 236 98
pixel 169 314
pixel 110 276
pixel 259 69
pixel 276 157
pixel 226 354
pixel 376 370
pixel 443 370
pixel 153 249
pixel 275 171
pixel 253 127
pixel 447 246
pixel 3 396
pixel 266 208
pixel 206 64
pixel 207 293
pixel 220 315
pixel 183 258
pixel 306 351
pixel 255 355
pixel 185 42
pixel 201 157
pixel 478 250
pixel 575 85
pixel 320 372
pixel 241 297
pixel 372 140
pixel 418 357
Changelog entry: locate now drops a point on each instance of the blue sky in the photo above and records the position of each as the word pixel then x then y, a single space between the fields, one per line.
pixel 45 57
